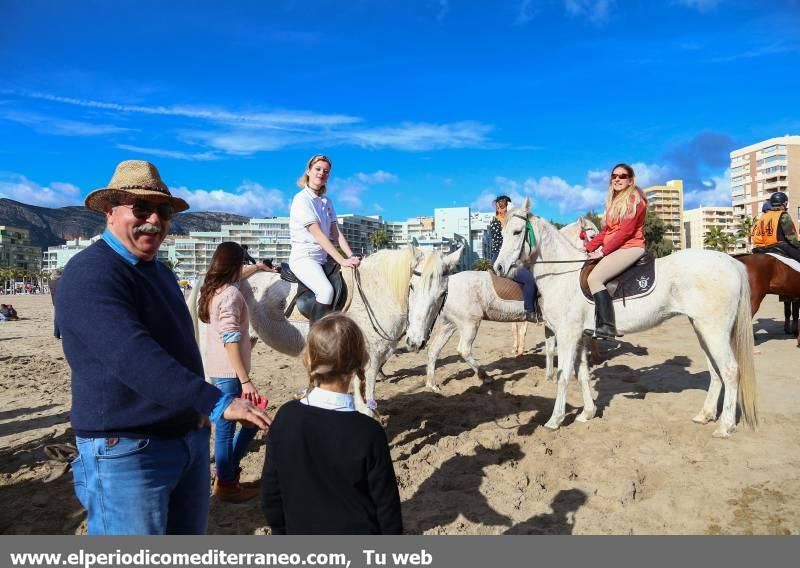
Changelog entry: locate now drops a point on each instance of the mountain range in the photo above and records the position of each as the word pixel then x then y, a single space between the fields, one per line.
pixel 52 227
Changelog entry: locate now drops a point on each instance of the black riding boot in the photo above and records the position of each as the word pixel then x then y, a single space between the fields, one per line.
pixel 319 311
pixel 605 326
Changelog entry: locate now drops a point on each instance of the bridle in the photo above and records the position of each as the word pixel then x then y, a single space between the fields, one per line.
pixel 373 319
pixel 530 240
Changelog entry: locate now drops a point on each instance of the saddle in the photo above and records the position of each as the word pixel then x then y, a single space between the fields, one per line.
pixel 506 289
pixel 304 299
pixel 635 282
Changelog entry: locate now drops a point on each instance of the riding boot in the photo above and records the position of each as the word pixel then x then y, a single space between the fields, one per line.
pixel 318 311
pixel 605 326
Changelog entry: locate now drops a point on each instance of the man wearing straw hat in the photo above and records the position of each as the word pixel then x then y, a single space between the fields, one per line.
pixel 140 403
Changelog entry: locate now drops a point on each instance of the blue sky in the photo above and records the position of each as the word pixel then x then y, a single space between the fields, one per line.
pixel 420 103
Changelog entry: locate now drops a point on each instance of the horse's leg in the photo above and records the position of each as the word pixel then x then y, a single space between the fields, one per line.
pixel 721 365
pixel 709 410
pixel 519 330
pixel 441 335
pixel 589 408
pixel 549 354
pixel 367 405
pixel 567 347
pixel 787 315
pixel 468 333
pixel 795 316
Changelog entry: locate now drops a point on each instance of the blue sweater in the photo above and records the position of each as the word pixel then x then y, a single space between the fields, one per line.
pixel 129 341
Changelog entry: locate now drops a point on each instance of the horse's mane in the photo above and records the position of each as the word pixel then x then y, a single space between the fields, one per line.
pixel 432 269
pixel 395 267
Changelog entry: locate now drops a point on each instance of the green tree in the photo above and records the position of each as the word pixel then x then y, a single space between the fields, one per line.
pixel 654 230
pixel 379 239
pixel 594 218
pixel 482 264
pixel 557 225
pixel 717 239
pixel 745 229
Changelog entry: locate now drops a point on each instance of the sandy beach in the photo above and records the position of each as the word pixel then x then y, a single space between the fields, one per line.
pixel 476 459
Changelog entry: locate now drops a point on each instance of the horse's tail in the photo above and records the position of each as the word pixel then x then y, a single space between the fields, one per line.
pixel 742 339
pixel 193 307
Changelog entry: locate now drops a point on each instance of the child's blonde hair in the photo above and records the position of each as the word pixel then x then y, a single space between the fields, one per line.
pixel 335 351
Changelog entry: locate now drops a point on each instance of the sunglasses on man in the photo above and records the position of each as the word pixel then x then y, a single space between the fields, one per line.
pixel 142 209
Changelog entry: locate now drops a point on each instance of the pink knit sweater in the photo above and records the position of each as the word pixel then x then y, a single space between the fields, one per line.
pixel 227 312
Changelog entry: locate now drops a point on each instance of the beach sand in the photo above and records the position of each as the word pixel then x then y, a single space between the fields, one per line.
pixel 477 459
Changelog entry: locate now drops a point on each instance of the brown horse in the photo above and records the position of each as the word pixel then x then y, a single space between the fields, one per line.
pixel 768 275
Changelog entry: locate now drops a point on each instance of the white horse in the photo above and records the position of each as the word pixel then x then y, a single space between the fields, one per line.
pixel 472 299
pixel 393 293
pixel 708 287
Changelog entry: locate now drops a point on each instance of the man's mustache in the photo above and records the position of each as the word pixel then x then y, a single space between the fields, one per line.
pixel 148 228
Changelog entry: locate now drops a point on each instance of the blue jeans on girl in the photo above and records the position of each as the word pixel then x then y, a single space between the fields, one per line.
pixel 230 445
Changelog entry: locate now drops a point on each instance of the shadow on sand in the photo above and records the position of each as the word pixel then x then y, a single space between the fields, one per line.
pixel 561 521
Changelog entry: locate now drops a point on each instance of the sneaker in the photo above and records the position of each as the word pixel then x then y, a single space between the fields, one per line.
pixel 233 492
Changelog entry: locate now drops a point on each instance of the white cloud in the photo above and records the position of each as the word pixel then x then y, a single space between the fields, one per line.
pixel 716 193
pixel 63 127
pixel 421 136
pixel 175 154
pixel 276 119
pixel 57 194
pixel 250 199
pixel 349 191
pixel 595 10
pixel 701 5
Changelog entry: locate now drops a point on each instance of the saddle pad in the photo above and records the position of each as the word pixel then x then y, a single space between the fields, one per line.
pixel 635 282
pixel 786 260
pixel 506 288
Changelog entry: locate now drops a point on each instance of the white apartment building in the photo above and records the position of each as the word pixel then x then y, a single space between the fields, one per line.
pixel 58 256
pixel 698 222
pixel 16 250
pixel 667 202
pixel 763 168
pixel 405 232
pixel 357 229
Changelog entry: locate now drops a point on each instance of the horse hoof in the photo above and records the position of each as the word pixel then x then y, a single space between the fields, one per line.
pixel 702 419
pixel 552 426
pixel 721 433
pixel 434 388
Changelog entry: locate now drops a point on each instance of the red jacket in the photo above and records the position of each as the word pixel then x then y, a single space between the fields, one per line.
pixel 627 233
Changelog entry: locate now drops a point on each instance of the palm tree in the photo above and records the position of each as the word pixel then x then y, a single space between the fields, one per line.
pixel 482 264
pixel 379 239
pixel 745 229
pixel 717 239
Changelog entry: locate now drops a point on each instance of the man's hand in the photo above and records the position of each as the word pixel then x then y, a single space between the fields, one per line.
pixel 241 410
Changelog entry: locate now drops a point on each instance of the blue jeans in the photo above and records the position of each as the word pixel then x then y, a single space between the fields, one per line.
pixel 230 446
pixel 134 486
pixel 524 278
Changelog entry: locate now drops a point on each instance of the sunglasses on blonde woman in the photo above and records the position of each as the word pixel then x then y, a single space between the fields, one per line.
pixel 620 176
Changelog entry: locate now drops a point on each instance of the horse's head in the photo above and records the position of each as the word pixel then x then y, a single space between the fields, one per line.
pixel 518 242
pixel 588 230
pixel 427 293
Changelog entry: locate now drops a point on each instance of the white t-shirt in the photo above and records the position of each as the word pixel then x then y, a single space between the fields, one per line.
pixel 308 208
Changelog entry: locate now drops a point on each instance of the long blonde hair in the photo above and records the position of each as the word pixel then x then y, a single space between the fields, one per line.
pixel 335 351
pixel 624 204
pixel 302 181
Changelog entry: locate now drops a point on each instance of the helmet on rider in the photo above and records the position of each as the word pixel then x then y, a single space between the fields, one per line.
pixel 778 199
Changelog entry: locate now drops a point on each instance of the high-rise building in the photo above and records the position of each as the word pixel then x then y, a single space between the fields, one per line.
pixel 763 168
pixel 58 256
pixel 357 229
pixel 16 250
pixel 698 222
pixel 667 203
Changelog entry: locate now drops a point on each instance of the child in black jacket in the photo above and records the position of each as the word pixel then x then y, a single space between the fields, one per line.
pixel 328 469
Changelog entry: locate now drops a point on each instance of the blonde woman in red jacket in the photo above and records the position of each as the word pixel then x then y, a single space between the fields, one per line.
pixel 618 246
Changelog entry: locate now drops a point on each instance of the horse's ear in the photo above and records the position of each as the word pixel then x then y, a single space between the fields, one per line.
pixel 451 260
pixel 527 205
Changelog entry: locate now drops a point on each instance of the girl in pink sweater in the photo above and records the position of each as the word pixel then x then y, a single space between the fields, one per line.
pixel 223 307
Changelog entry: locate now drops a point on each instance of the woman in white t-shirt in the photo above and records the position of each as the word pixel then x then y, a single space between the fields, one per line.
pixel 313 229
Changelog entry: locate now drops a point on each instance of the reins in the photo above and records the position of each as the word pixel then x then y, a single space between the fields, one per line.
pixel 531 241
pixel 373 319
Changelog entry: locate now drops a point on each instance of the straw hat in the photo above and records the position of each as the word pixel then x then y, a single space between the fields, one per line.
pixel 137 178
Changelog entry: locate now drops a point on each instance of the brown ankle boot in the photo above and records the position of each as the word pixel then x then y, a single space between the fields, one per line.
pixel 238 480
pixel 233 492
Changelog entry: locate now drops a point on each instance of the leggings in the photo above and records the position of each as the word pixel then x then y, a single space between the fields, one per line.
pixel 791 251
pixel 310 273
pixel 611 266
